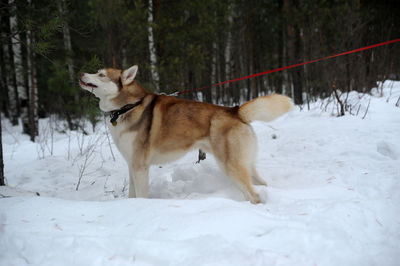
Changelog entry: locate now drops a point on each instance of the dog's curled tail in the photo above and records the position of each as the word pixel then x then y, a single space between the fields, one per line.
pixel 266 108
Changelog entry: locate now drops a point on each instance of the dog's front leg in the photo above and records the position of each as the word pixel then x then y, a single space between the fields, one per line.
pixel 141 181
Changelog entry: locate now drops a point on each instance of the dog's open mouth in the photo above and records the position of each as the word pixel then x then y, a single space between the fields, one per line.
pixel 87 84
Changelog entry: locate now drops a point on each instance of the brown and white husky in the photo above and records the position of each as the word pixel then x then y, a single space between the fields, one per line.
pixel 153 129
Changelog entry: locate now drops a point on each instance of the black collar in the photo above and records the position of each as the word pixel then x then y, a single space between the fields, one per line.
pixel 116 113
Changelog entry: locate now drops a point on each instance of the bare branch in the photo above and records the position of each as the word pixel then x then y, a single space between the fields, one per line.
pixel 366 111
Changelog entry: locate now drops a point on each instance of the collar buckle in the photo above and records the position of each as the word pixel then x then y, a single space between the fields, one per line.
pixel 126 108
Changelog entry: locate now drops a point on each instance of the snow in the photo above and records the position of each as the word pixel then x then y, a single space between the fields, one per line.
pixel 333 196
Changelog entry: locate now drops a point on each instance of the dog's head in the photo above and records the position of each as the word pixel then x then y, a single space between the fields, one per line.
pixel 114 87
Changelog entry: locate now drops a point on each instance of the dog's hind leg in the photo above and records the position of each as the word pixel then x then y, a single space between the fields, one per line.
pixel 257 179
pixel 234 145
pixel 238 171
pixel 242 177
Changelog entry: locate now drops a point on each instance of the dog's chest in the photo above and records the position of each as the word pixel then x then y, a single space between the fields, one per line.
pixel 124 140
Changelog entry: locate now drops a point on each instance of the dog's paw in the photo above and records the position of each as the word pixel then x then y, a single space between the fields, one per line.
pixel 262 192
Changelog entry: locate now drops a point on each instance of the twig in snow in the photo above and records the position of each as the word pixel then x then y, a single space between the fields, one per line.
pixel 124 188
pixel 327 103
pixel 80 137
pixel 341 105
pixel 390 92
pixel 381 87
pixel 88 154
pixel 398 102
pixel 358 110
pixel 366 111
pixel 46 133
pixel 69 145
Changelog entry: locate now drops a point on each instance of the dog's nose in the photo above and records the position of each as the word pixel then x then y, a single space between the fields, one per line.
pixel 82 74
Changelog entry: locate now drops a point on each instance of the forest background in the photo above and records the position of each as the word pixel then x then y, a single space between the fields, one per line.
pixel 181 45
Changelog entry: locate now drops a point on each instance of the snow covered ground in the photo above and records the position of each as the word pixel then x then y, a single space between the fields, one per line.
pixel 333 197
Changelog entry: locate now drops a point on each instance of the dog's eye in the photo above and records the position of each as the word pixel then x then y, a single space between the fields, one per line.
pixel 101 75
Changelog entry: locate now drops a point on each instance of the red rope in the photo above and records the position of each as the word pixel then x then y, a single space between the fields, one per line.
pixel 292 66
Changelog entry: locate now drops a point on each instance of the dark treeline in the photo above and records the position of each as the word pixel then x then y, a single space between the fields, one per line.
pixel 188 44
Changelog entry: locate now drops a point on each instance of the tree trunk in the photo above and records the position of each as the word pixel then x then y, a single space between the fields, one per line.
pixel 298 73
pixel 221 72
pixel 281 62
pixel 2 183
pixel 110 35
pixel 8 58
pixel 249 48
pixel 19 69
pixel 227 55
pixel 252 68
pixel 152 50
pixel 294 49
pixel 208 74
pixel 62 8
pixel 3 82
pixel 214 75
pixel 33 95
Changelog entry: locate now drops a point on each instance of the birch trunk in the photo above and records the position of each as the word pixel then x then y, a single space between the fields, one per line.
pixel 3 87
pixel 214 75
pixel 2 183
pixel 19 69
pixel 33 95
pixel 4 101
pixel 8 70
pixel 228 49
pixel 153 57
pixel 214 92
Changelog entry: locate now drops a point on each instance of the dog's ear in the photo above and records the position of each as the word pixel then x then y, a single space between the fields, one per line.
pixel 129 75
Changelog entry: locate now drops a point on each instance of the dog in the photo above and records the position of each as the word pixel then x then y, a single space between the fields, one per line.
pixel 151 129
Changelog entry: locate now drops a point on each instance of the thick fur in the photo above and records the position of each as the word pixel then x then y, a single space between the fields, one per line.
pixel 163 128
